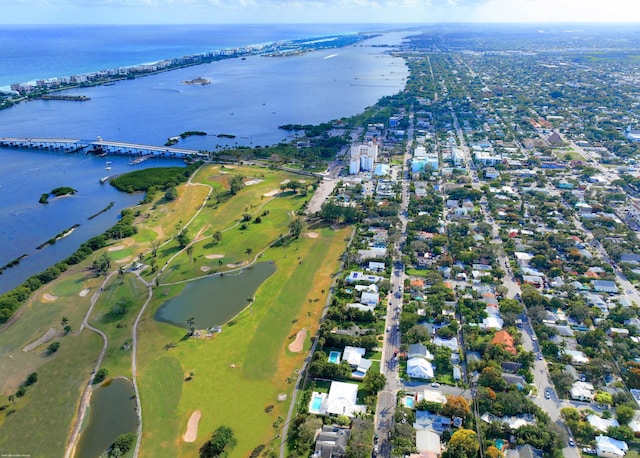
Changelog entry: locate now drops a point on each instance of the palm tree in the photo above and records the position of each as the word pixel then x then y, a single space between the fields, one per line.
pixel 250 301
pixel 248 252
pixel 190 253
pixel 191 322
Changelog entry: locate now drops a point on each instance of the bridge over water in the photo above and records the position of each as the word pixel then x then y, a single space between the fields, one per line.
pixel 99 146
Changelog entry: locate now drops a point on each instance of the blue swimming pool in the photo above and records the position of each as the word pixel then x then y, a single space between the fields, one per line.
pixel 409 402
pixel 334 357
pixel 316 403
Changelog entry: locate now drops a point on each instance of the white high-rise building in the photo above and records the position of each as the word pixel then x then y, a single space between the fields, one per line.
pixel 363 157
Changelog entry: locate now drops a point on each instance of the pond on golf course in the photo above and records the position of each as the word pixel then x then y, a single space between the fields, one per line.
pixel 111 413
pixel 215 300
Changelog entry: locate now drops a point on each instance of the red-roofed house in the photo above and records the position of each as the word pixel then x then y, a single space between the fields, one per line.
pixel 504 339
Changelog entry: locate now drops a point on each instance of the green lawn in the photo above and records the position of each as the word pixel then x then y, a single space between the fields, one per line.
pixel 37 425
pixel 237 374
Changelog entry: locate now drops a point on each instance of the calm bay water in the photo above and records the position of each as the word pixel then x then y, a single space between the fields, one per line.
pixel 247 98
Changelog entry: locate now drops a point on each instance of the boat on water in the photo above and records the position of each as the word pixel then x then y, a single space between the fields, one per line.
pixel 108 165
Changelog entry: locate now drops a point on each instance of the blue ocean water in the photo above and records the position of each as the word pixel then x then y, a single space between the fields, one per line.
pixel 247 98
pixel 34 52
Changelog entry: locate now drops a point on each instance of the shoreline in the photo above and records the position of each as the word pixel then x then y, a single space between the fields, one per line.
pixel 30 90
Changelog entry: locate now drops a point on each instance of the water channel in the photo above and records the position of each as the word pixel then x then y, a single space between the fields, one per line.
pixel 111 413
pixel 215 300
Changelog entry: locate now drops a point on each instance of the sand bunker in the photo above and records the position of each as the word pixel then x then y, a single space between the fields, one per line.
pixel 116 248
pixel 49 297
pixel 250 182
pixel 214 256
pixel 50 334
pixel 296 345
pixel 285 181
pixel 84 292
pixel 275 192
pixel 205 268
pixel 192 427
pixel 312 235
pixel 237 264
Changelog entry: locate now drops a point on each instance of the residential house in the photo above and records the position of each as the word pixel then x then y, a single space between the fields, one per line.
pixel 513 379
pixel 582 391
pixel 355 357
pixel 431 421
pixel 493 320
pixel 524 451
pixel 419 351
pixel 419 368
pixel 577 357
pixel 361 307
pixel 503 338
pixel 342 400
pixel 605 286
pixel 359 276
pixel 451 343
pixel 510 367
pixel 630 258
pixel 376 266
pixel 370 298
pixel 601 424
pixel 331 442
pixel 610 448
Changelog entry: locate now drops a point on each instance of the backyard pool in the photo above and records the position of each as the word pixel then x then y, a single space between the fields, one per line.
pixel 409 402
pixel 316 402
pixel 334 357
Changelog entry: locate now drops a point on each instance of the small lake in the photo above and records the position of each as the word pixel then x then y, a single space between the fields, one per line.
pixel 215 300
pixel 111 413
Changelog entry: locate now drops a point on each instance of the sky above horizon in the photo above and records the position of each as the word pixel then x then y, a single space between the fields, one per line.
pixel 314 11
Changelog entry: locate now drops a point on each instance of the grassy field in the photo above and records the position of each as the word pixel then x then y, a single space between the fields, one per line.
pixel 232 377
pixel 240 372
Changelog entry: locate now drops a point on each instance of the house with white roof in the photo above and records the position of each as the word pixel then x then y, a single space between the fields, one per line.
pixel 610 448
pixel 601 424
pixel 361 307
pixel 582 391
pixel 359 276
pixel 370 298
pixel 419 368
pixel 577 357
pixel 341 400
pixel 493 320
pixel 451 343
pixel 355 357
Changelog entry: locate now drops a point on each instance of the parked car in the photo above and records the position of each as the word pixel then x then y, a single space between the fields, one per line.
pixel 547 394
pixel 435 385
pixel 589 451
pixel 572 443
